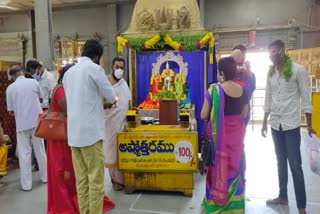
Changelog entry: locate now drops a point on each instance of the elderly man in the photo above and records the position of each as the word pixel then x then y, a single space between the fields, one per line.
pixel 247 80
pixel 287 93
pixel 244 76
pixel 23 102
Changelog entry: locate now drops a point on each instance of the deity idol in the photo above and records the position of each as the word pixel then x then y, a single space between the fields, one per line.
pixel 167 78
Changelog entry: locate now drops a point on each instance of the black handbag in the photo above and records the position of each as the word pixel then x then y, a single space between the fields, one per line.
pixel 206 152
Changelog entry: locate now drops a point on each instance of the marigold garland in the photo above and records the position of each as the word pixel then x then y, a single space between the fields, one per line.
pixel 179 43
pixel 122 42
pixel 152 42
pixel 176 45
pixel 207 38
pixel 287 68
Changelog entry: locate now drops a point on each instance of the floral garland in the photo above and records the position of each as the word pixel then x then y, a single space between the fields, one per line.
pixel 164 73
pixel 176 45
pixel 209 38
pixel 179 43
pixel 287 69
pixel 122 42
pixel 152 42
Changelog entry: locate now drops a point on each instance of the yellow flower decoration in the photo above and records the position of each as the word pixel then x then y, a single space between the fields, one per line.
pixel 176 45
pixel 151 79
pixel 164 74
pixel 183 78
pixel 122 42
pixel 152 42
pixel 207 38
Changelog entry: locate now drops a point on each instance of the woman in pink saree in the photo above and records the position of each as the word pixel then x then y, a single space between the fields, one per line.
pixel 224 108
pixel 62 192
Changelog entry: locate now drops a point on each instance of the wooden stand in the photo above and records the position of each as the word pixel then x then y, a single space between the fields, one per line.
pixel 168 114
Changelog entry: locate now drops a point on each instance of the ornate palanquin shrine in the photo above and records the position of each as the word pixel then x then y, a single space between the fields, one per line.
pixel 67 49
pixel 171 61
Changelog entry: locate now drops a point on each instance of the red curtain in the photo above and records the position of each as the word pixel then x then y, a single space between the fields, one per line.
pixel 7 121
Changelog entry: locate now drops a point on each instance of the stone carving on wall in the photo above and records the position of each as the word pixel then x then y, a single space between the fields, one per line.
pixel 183 18
pixel 145 20
pixel 165 15
pixel 164 19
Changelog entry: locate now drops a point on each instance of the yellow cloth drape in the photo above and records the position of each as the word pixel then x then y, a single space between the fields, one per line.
pixel 3 159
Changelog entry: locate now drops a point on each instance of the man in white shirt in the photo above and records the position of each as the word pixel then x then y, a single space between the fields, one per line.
pixel 287 87
pixel 85 86
pixel 45 79
pixel 23 102
pixel 47 83
pixel 115 120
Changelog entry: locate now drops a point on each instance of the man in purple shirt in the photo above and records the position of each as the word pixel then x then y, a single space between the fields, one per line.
pixel 247 80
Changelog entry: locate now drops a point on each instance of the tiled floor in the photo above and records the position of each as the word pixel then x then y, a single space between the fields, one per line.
pixel 261 184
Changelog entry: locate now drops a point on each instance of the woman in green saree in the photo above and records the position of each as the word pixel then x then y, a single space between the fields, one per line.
pixel 224 109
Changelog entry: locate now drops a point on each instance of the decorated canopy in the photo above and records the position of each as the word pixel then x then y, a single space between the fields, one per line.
pixel 155 24
pixel 174 16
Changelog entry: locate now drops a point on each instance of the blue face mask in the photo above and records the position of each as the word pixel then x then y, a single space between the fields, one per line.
pixel 36 76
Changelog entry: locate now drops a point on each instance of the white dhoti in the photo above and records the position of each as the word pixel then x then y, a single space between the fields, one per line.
pixel 26 141
pixel 113 126
pixel 114 123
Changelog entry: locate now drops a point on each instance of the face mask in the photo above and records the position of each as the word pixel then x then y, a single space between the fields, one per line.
pixel 241 68
pixel 36 76
pixel 118 73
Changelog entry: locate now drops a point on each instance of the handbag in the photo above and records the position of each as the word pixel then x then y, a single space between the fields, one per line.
pixel 206 156
pixel 52 125
pixel 206 150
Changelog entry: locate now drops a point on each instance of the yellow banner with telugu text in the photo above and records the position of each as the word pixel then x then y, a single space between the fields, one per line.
pixel 158 151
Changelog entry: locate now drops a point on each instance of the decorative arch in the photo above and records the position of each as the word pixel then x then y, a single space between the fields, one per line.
pixel 171 57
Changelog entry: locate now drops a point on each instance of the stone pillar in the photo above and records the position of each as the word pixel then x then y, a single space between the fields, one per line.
pixel 43 28
pixel 110 49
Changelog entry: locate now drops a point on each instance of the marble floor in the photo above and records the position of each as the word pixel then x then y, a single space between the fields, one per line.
pixel 262 184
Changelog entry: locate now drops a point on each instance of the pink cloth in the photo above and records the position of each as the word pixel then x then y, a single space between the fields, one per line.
pixel 62 192
pixel 228 157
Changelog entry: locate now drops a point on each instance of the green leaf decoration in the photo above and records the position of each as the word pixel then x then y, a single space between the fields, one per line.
pixel 189 42
pixel 287 69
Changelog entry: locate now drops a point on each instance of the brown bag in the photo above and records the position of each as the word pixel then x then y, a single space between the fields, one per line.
pixel 52 125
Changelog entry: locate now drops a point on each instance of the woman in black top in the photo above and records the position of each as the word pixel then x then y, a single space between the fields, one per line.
pixel 225 108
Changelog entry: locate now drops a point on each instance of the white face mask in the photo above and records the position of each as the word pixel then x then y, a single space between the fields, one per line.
pixel 241 68
pixel 118 73
pixel 36 75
